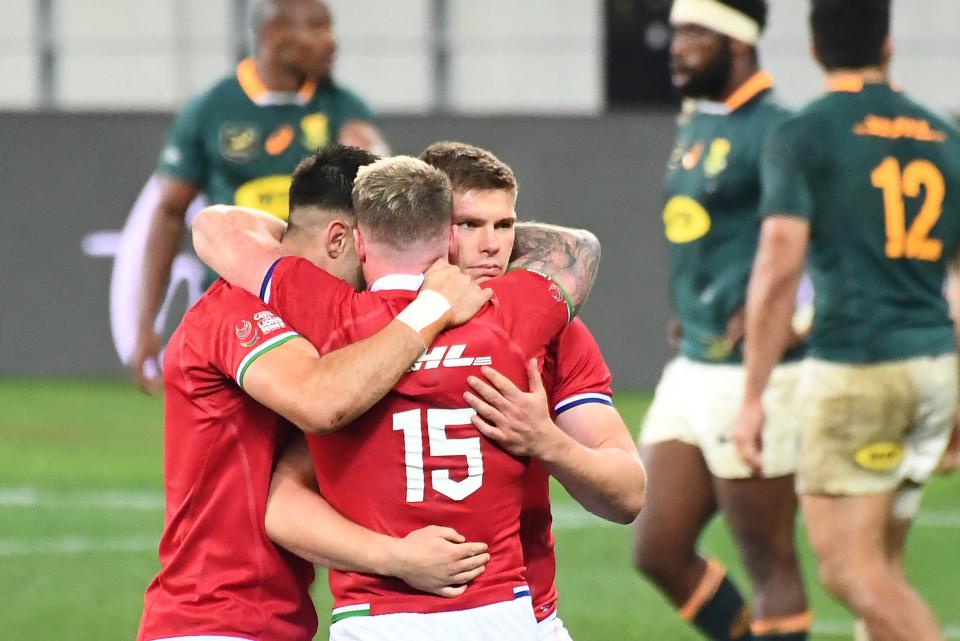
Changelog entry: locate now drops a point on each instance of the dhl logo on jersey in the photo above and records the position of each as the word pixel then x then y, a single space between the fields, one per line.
pixel 899 127
pixel 451 356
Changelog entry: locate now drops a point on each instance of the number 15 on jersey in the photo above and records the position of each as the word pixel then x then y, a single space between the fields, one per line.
pixel 410 423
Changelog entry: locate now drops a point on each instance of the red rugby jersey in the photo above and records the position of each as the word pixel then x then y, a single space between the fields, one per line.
pixel 415 459
pixel 574 373
pixel 220 574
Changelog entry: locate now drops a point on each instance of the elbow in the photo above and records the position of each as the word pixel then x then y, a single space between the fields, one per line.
pixel 323 418
pixel 628 508
pixel 205 227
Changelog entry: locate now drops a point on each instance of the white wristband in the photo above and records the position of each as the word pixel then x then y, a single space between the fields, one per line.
pixel 425 310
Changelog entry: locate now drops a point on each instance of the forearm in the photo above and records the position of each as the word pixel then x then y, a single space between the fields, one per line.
pixel 238 244
pixel 770 305
pixel 166 228
pixel 570 256
pixel 301 521
pixel 608 481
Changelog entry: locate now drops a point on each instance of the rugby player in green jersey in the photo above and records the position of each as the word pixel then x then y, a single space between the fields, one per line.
pixel 863 185
pixel 239 141
pixel 712 225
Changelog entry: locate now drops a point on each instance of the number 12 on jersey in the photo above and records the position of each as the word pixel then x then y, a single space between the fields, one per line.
pixel 915 242
pixel 438 420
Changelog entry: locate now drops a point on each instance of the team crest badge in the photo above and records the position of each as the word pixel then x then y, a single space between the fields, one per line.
pixel 316 130
pixel 238 141
pixel 716 160
pixel 246 333
pixel 692 156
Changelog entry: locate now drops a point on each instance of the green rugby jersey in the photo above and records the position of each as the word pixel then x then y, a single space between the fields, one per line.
pixel 238 142
pixel 711 214
pixel 878 177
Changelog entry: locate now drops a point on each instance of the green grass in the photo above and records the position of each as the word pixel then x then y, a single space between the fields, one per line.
pixel 80 445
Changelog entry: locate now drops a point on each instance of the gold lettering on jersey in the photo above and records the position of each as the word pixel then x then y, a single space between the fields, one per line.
pixel 879 456
pixel 316 130
pixel 685 220
pixel 899 127
pixel 716 160
pixel 269 194
pixel 692 156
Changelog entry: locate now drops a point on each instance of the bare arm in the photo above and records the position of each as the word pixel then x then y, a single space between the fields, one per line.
pixel 433 559
pixel 588 449
pixel 569 256
pixel 365 135
pixel 771 293
pixel 239 244
pixel 163 239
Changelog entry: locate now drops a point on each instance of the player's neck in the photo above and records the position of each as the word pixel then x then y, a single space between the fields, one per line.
pixel 374 270
pixel 276 77
pixel 741 70
pixel 866 75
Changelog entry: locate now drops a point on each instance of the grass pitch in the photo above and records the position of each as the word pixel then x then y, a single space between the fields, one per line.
pixel 81 509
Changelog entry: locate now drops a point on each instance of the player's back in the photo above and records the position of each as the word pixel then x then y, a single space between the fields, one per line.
pixel 415 458
pixel 220 574
pixel 879 176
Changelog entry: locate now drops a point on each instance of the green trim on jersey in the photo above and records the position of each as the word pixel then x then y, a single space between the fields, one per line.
pixel 877 176
pixel 711 214
pixel 267 346
pixel 349 611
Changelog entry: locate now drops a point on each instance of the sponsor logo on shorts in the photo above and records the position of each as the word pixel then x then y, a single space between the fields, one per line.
pixel 879 456
pixel 451 356
pixel 246 333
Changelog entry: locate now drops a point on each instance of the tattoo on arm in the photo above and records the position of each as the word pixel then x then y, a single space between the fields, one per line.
pixel 570 256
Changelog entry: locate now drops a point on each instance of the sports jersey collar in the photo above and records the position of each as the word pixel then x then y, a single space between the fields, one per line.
pixel 852 83
pixel 750 89
pixel 253 86
pixel 406 282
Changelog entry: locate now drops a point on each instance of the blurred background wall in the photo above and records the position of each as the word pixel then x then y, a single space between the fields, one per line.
pixel 573 93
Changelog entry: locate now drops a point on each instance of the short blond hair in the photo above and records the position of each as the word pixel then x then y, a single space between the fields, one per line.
pixel 402 201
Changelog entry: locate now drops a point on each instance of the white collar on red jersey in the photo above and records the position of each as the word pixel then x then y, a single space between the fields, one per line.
pixel 408 282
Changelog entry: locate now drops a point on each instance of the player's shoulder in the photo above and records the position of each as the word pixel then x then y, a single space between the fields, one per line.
pixel 222 93
pixel 938 121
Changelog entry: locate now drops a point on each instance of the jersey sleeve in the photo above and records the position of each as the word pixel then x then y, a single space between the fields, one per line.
pixel 785 173
pixel 244 333
pixel 352 107
pixel 309 298
pixel 537 308
pixel 184 154
pixel 579 373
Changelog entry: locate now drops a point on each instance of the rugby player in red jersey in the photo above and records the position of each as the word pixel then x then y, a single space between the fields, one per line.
pixel 599 465
pixel 230 363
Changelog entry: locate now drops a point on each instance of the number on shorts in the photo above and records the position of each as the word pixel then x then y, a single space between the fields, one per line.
pixel 437 421
pixel 914 242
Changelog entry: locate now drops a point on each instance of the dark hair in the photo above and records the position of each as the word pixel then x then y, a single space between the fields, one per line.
pixel 324 182
pixel 756 9
pixel 469 167
pixel 850 34
pixel 402 201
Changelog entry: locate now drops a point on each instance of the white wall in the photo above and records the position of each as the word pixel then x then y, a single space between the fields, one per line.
pixel 538 56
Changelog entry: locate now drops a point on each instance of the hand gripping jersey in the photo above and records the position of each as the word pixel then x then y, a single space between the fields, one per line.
pixel 878 178
pixel 238 143
pixel 219 574
pixel 574 373
pixel 415 459
pixel 711 215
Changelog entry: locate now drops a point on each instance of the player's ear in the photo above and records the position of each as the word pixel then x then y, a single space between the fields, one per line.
pixel 452 249
pixel 358 241
pixel 886 54
pixel 814 53
pixel 338 237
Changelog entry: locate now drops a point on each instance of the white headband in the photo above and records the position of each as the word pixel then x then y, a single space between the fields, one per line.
pixel 717 16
